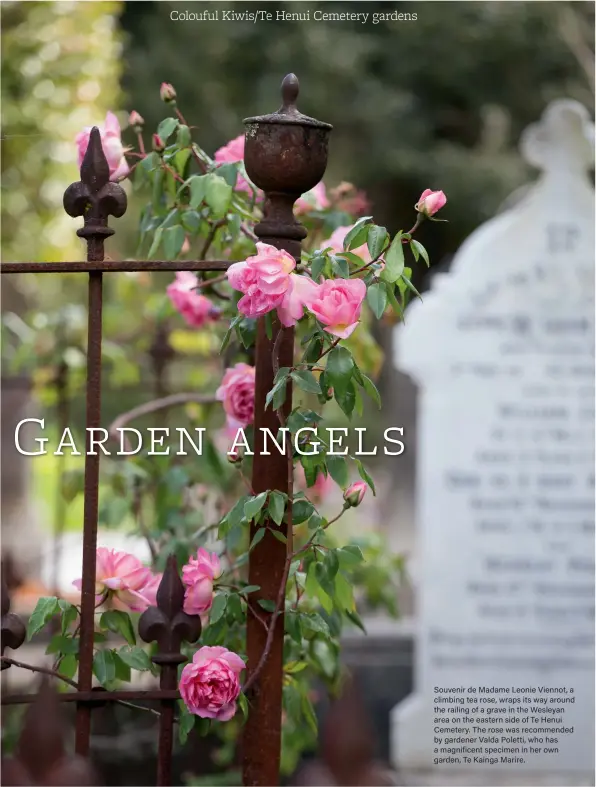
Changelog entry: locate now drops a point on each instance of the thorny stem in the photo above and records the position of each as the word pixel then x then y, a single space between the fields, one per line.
pixel 209 240
pixel 209 282
pixel 331 347
pixel 411 231
pixel 141 143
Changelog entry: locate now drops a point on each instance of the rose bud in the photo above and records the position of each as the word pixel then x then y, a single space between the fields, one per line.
pixel 430 202
pixel 158 145
pixel 234 457
pixel 354 494
pixel 136 121
pixel 167 92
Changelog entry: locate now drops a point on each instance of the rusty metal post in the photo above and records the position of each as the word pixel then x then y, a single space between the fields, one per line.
pixel 286 156
pixel 169 626
pixel 63 416
pixel 95 198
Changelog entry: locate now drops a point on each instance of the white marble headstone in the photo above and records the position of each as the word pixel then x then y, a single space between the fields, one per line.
pixel 502 350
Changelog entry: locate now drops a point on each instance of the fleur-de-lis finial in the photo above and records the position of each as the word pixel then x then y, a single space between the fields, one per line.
pixel 95 197
pixel 167 623
pixel 13 628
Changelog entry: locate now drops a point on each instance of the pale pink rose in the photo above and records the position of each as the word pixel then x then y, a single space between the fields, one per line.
pixel 232 153
pixel 300 294
pixel 198 575
pixel 167 92
pixel 338 305
pixel 354 494
pixel 315 199
pixel 237 392
pixel 122 576
pixel 185 246
pixel 336 241
pixel 135 120
pixel 196 309
pixel 209 685
pixel 264 279
pixel 111 143
pixel 149 591
pixel 430 202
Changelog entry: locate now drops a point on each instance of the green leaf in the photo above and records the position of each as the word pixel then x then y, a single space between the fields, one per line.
pixel 418 249
pixel 166 128
pixel 364 475
pixel 259 535
pixel 292 626
pixel 371 389
pixel 394 260
pixel 156 242
pixel 218 195
pixel 269 325
pixel 137 658
pixel 122 669
pixel 236 514
pixel 186 724
pixel 243 705
pixel 198 189
pixel 313 623
pixel 338 469
pixel 191 221
pixel 267 604
pixel 376 296
pixel 104 666
pixel 277 505
pixel 226 339
pixel 358 235
pixel 344 593
pixel 254 505
pixel 340 267
pixel 45 608
pixel 69 614
pixel 346 399
pixel 410 286
pixel 68 666
pixel 340 366
pixel 355 618
pixel 279 536
pixel 350 555
pixel 172 240
pixel 309 714
pixel 277 395
pixel 183 138
pixel 63 644
pixel 218 607
pixel 306 380
pixel 249 589
pixel 293 667
pixel 316 266
pixel 301 511
pixel 377 238
pixel 120 623
pixel 395 305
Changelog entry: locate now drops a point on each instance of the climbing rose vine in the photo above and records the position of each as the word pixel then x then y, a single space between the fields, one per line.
pixel 351 271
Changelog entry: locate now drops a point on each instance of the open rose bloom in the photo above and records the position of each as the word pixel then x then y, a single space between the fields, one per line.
pixel 264 279
pixel 111 143
pixel 196 309
pixel 338 305
pixel 123 577
pixel 237 392
pixel 209 685
pixel 198 576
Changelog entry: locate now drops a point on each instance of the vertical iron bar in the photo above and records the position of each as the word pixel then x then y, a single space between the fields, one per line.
pixel 62 411
pixel 92 421
pixel 285 155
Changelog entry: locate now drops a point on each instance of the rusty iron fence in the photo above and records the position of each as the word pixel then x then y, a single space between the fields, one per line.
pixel 285 156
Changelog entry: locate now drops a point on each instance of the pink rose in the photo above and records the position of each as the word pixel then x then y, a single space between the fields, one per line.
pixel 237 392
pixel 111 143
pixel 336 241
pixel 122 576
pixel 149 591
pixel 300 294
pixel 167 92
pixel 430 202
pixel 354 494
pixel 231 154
pixel 196 309
pixel 209 685
pixel 198 575
pixel 264 280
pixel 338 305
pixel 315 199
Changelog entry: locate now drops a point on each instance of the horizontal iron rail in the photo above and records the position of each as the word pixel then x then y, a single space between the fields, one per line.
pixel 115 266
pixel 97 697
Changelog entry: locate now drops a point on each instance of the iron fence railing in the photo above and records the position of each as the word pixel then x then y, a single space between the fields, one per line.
pixel 285 156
